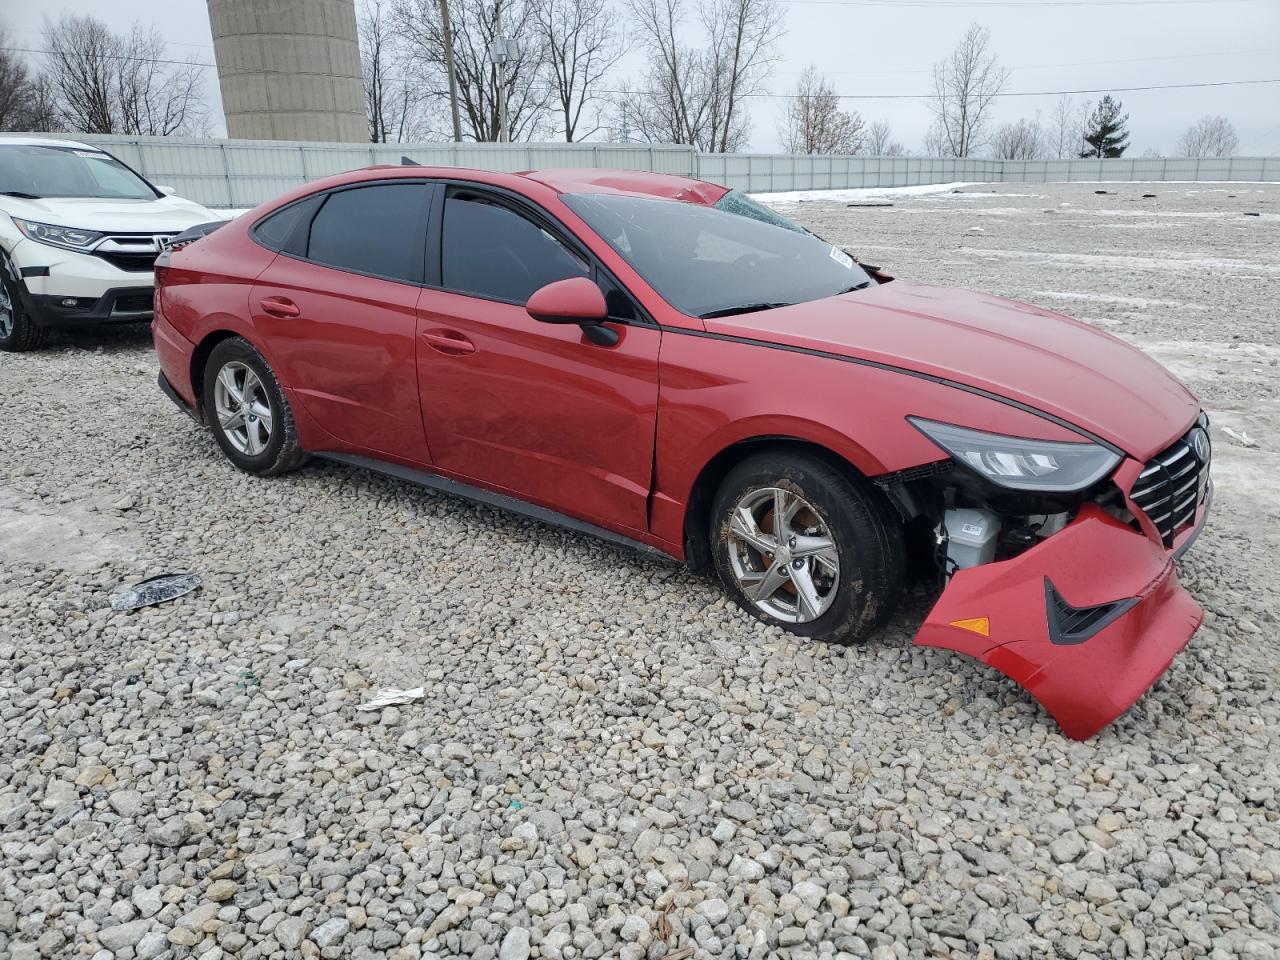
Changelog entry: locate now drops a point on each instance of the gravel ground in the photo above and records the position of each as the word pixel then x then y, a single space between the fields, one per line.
pixel 609 759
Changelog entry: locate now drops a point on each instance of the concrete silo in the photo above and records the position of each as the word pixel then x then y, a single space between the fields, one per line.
pixel 289 69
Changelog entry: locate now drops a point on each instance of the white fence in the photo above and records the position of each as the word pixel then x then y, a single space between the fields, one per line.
pixel 243 173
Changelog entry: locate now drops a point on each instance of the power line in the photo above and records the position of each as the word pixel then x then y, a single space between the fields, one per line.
pixel 1015 4
pixel 1025 93
pixel 1045 66
pixel 771 96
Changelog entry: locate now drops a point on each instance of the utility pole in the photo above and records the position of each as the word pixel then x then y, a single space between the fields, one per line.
pixel 447 31
pixel 502 50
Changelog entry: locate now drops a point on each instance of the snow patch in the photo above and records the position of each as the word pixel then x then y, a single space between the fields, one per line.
pixel 860 193
pixel 77 537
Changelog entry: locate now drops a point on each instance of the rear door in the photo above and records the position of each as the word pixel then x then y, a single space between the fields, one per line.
pixel 336 311
pixel 535 409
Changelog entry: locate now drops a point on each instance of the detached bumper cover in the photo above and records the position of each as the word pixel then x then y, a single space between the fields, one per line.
pixel 1086 620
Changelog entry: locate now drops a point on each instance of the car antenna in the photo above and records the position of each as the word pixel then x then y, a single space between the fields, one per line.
pixel 406 162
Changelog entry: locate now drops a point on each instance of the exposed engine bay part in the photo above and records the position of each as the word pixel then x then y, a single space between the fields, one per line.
pixel 970 536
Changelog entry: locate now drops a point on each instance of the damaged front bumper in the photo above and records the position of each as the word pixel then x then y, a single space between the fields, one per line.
pixel 1086 620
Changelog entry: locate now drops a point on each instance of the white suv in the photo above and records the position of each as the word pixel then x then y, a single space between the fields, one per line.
pixel 79 234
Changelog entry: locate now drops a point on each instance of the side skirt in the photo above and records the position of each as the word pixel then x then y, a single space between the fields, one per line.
pixel 499 500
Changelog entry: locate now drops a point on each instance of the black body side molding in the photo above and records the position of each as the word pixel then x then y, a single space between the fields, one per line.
pixel 499 500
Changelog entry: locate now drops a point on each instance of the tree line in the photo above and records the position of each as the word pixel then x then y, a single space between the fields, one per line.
pixel 704 61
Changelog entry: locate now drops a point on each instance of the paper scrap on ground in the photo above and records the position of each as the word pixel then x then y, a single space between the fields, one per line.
pixel 1241 438
pixel 392 698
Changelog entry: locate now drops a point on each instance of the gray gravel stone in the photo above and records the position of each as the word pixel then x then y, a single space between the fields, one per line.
pixel 603 740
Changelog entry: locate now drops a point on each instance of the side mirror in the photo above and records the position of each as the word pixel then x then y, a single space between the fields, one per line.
pixel 166 190
pixel 575 300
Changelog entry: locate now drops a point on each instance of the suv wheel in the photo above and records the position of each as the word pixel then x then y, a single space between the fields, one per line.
pixel 801 544
pixel 247 410
pixel 18 331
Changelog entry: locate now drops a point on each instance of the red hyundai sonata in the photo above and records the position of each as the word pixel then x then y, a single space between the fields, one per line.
pixel 664 362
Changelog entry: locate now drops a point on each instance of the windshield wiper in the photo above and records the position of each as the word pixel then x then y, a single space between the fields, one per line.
pixel 857 286
pixel 19 195
pixel 742 308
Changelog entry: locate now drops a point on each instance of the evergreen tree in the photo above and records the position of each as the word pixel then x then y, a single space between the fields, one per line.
pixel 1105 132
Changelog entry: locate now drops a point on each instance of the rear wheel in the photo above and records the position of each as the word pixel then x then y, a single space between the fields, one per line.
pixel 18 331
pixel 799 543
pixel 247 409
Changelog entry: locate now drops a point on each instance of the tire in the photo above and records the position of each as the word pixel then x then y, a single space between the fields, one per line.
pixel 846 574
pixel 18 331
pixel 259 436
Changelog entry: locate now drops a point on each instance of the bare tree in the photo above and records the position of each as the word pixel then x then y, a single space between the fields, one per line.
pixel 26 102
pixel 814 122
pixel 583 44
pixel 393 102
pixel 1210 136
pixel 880 142
pixel 695 95
pixel 103 82
pixel 1022 139
pixel 475 25
pixel 965 85
pixel 154 98
pixel 1065 136
pixel 741 54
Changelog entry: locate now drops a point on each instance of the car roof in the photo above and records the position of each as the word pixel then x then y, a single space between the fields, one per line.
pixel 631 182
pixel 45 142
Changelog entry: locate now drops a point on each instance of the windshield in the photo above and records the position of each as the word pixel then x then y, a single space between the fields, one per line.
pixel 735 201
pixel 706 262
pixel 39 171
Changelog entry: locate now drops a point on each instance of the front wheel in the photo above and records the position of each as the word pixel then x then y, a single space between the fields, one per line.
pixel 18 331
pixel 247 410
pixel 801 544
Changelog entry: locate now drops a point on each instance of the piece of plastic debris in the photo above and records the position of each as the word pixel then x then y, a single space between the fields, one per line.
pixel 1241 438
pixel 153 590
pixel 1250 213
pixel 392 698
pixel 870 203
pixel 976 230
pixel 515 805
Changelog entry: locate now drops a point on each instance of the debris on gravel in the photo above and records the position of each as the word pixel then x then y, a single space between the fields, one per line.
pixel 608 759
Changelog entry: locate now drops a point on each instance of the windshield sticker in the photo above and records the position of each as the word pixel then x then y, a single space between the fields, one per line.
pixel 842 258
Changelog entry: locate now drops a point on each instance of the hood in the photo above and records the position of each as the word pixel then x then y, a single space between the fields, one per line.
pixel 163 215
pixel 1036 357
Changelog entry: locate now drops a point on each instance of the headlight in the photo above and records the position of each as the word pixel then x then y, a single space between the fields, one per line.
pixel 1021 464
pixel 68 238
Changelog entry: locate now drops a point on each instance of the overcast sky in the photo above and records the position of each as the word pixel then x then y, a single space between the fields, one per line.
pixel 871 47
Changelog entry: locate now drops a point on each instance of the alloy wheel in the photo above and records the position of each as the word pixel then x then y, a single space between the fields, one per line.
pixel 243 407
pixel 6 314
pixel 783 555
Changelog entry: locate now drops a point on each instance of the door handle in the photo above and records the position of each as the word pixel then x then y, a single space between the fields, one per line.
pixel 279 307
pixel 454 343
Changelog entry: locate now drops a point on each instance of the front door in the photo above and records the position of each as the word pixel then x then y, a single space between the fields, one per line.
pixel 531 408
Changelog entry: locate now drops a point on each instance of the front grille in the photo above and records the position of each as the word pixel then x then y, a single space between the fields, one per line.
pixel 1170 489
pixel 131 262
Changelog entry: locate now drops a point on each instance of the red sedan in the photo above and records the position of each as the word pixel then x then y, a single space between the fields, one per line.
pixel 664 362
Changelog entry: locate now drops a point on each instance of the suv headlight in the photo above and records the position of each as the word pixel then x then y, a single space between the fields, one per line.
pixel 68 238
pixel 1020 464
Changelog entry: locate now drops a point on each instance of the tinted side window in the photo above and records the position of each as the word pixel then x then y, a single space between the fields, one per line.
pixel 275 231
pixel 377 229
pixel 490 250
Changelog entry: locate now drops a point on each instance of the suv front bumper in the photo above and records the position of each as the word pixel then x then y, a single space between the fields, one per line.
pixel 116 305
